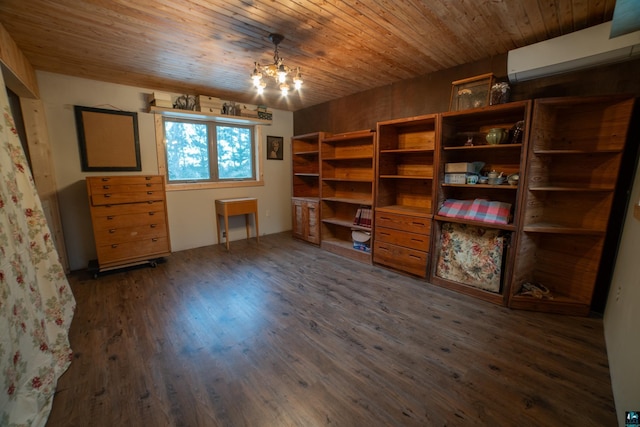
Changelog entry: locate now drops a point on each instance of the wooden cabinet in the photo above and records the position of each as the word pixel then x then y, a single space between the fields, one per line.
pixel 306 219
pixel 129 219
pixel 463 141
pixel 347 184
pixel 305 155
pixel 575 150
pixel 404 193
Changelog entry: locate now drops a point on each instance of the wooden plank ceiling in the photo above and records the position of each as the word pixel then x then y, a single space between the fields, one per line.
pixel 343 47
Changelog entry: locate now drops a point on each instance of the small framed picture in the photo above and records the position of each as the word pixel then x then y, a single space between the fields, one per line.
pixel 274 147
pixel 471 93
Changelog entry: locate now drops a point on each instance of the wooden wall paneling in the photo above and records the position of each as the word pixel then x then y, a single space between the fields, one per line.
pixel 18 73
pixel 43 170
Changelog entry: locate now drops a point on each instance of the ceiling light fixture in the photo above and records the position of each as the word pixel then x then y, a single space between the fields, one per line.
pixel 277 70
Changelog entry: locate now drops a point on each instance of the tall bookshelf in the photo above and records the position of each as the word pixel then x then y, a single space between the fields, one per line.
pixel 575 151
pixel 347 184
pixel 463 140
pixel 404 192
pixel 305 201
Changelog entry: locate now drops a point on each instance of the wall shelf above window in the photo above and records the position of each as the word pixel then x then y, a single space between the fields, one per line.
pixel 201 115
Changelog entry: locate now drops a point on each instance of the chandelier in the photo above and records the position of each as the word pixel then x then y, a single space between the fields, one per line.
pixel 277 70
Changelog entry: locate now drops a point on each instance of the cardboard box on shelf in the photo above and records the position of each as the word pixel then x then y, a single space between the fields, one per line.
pixel 459 167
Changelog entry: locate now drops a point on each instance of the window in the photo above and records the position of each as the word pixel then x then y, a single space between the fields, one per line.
pixel 207 151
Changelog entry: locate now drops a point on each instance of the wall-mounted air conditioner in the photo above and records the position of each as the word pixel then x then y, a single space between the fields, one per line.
pixel 574 51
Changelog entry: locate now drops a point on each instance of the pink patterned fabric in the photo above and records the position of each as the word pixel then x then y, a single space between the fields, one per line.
pixel 471 255
pixel 477 210
pixel 36 303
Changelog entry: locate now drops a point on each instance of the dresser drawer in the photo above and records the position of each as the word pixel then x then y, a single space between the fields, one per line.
pixel 399 258
pixel 96 184
pixel 116 220
pixel 116 235
pixel 135 197
pixel 415 241
pixel 149 207
pixel 129 252
pixel 127 188
pixel 409 223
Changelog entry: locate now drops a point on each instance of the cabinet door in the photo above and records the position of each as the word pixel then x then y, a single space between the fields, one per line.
pixel 306 220
pixel 298 217
pixel 312 212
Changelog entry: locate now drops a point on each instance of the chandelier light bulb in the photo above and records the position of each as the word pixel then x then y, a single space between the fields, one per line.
pixel 261 87
pixel 284 88
pixel 282 72
pixel 297 80
pixel 256 76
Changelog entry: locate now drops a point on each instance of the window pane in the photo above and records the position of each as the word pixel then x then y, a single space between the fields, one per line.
pixel 187 151
pixel 235 154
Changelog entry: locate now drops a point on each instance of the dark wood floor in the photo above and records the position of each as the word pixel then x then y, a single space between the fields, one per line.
pixel 286 334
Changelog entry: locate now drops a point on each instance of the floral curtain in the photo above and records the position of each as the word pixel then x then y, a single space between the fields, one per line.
pixel 36 303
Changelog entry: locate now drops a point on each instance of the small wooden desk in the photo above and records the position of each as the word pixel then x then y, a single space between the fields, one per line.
pixel 241 206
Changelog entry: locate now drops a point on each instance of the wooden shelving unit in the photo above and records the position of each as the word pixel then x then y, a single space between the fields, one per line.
pixel 347 183
pixel 404 193
pixel 574 157
pixel 305 201
pixel 509 158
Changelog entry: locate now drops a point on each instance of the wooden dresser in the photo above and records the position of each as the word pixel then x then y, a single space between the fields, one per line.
pixel 129 216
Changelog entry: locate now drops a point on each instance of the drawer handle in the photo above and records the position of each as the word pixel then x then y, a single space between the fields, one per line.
pixel 106 187
pixel 421 224
pixel 152 213
pixel 385 234
pixel 114 246
pixel 149 184
pixel 107 195
pixel 112 230
pixel 149 192
pixel 109 217
pixel 148 178
pixel 385 218
pixel 415 256
pixel 154 239
pixel 417 240
pixel 105 179
pixel 153 225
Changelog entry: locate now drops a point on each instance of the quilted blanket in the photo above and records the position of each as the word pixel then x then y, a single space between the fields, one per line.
pixel 478 210
pixel 471 255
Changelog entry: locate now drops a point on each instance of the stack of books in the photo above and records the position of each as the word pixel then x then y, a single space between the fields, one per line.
pixel 363 217
pixel 161 99
pixel 209 104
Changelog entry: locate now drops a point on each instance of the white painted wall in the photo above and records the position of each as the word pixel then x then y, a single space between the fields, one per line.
pixel 191 213
pixel 622 315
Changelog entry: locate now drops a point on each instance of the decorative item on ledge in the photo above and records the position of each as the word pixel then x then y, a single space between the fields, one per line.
pixel 161 99
pixel 209 106
pixel 185 102
pixel 500 93
pixel 471 93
